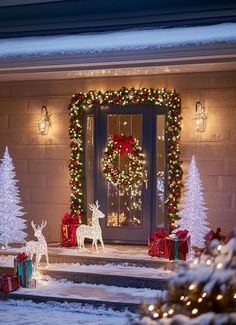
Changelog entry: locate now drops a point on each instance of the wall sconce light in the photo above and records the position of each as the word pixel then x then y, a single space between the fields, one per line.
pixel 200 119
pixel 44 122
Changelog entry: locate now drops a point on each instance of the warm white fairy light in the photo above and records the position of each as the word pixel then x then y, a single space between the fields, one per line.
pixel 219 297
pixel 171 311
pixel 188 303
pixel 208 262
pixel 219 248
pixel 194 311
pixel 165 315
pixel 181 298
pixel 219 265
pixel 155 315
pixel 204 294
pixel 192 286
pixel 151 307
pixel 200 299
pixel 235 296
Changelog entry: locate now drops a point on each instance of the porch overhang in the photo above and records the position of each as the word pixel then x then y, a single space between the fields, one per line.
pixel 163 51
pixel 217 57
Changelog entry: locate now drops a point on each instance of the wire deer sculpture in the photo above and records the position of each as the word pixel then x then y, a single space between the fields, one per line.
pixel 93 232
pixel 39 247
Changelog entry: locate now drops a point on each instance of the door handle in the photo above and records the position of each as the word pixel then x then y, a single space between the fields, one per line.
pixel 145 179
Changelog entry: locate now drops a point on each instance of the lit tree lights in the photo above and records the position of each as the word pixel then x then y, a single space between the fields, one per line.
pixel 82 102
pixel 203 289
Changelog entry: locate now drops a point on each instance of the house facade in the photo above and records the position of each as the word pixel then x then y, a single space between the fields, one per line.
pixel 34 74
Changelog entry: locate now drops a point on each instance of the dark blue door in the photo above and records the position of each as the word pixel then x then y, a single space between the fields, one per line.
pixel 131 218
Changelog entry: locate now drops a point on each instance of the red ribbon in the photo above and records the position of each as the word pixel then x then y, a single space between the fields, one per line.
pixel 123 143
pixel 68 219
pixel 21 257
pixel 7 275
pixel 161 233
pixel 24 272
pixel 182 234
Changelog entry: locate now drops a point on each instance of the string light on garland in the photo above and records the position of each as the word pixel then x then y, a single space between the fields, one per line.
pixel 83 102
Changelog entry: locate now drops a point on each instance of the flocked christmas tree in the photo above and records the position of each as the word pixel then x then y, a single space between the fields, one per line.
pixel 193 215
pixel 11 221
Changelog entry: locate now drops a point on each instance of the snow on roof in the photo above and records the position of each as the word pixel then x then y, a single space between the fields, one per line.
pixel 117 41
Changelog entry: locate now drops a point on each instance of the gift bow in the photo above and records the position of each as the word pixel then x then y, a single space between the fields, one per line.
pixel 123 143
pixel 159 233
pixel 21 257
pixel 68 219
pixel 7 275
pixel 182 233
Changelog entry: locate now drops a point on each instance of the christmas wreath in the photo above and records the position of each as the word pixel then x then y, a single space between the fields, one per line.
pixel 132 174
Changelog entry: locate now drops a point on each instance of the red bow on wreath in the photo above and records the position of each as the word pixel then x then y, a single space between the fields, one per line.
pixel 123 143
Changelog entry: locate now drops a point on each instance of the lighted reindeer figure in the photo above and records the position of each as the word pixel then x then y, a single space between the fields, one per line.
pixel 39 247
pixel 93 232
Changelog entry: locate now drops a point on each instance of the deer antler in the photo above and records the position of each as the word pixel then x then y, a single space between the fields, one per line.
pixel 91 206
pixel 43 224
pixel 33 225
pixel 97 205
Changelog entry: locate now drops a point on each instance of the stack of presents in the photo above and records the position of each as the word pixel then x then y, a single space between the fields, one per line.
pixel 22 276
pixel 171 246
pixel 176 246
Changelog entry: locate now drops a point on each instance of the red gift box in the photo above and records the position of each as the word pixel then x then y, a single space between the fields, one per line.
pixel 157 244
pixel 68 230
pixel 179 246
pixel 9 282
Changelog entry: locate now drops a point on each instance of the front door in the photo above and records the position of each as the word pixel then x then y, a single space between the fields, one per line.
pixel 131 218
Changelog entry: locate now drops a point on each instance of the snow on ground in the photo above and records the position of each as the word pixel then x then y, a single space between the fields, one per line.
pixel 121 40
pixel 27 312
pixel 47 286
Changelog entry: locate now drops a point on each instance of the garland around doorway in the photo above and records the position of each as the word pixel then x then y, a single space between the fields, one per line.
pixel 84 101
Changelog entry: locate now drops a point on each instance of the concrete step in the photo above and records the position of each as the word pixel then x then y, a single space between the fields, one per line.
pixel 121 280
pixel 115 254
pixel 48 289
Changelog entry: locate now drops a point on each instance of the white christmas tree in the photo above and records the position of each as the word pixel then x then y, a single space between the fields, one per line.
pixel 11 223
pixel 193 215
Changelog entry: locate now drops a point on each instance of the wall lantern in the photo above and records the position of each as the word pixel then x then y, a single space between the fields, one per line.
pixel 44 122
pixel 200 119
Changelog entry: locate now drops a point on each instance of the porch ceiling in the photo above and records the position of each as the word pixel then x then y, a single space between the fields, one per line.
pixel 183 59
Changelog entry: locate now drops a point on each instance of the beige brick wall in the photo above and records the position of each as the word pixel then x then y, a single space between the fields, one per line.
pixel 41 161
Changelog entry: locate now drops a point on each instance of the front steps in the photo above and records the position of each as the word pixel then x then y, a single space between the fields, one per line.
pixel 103 279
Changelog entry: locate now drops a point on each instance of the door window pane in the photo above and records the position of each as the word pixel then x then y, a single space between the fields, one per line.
pixel 89 160
pixel 124 209
pixel 160 171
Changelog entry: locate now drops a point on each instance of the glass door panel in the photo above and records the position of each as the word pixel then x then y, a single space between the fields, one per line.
pixel 124 209
pixel 160 171
pixel 89 163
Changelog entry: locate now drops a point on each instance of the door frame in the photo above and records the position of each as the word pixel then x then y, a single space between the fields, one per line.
pixel 83 102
